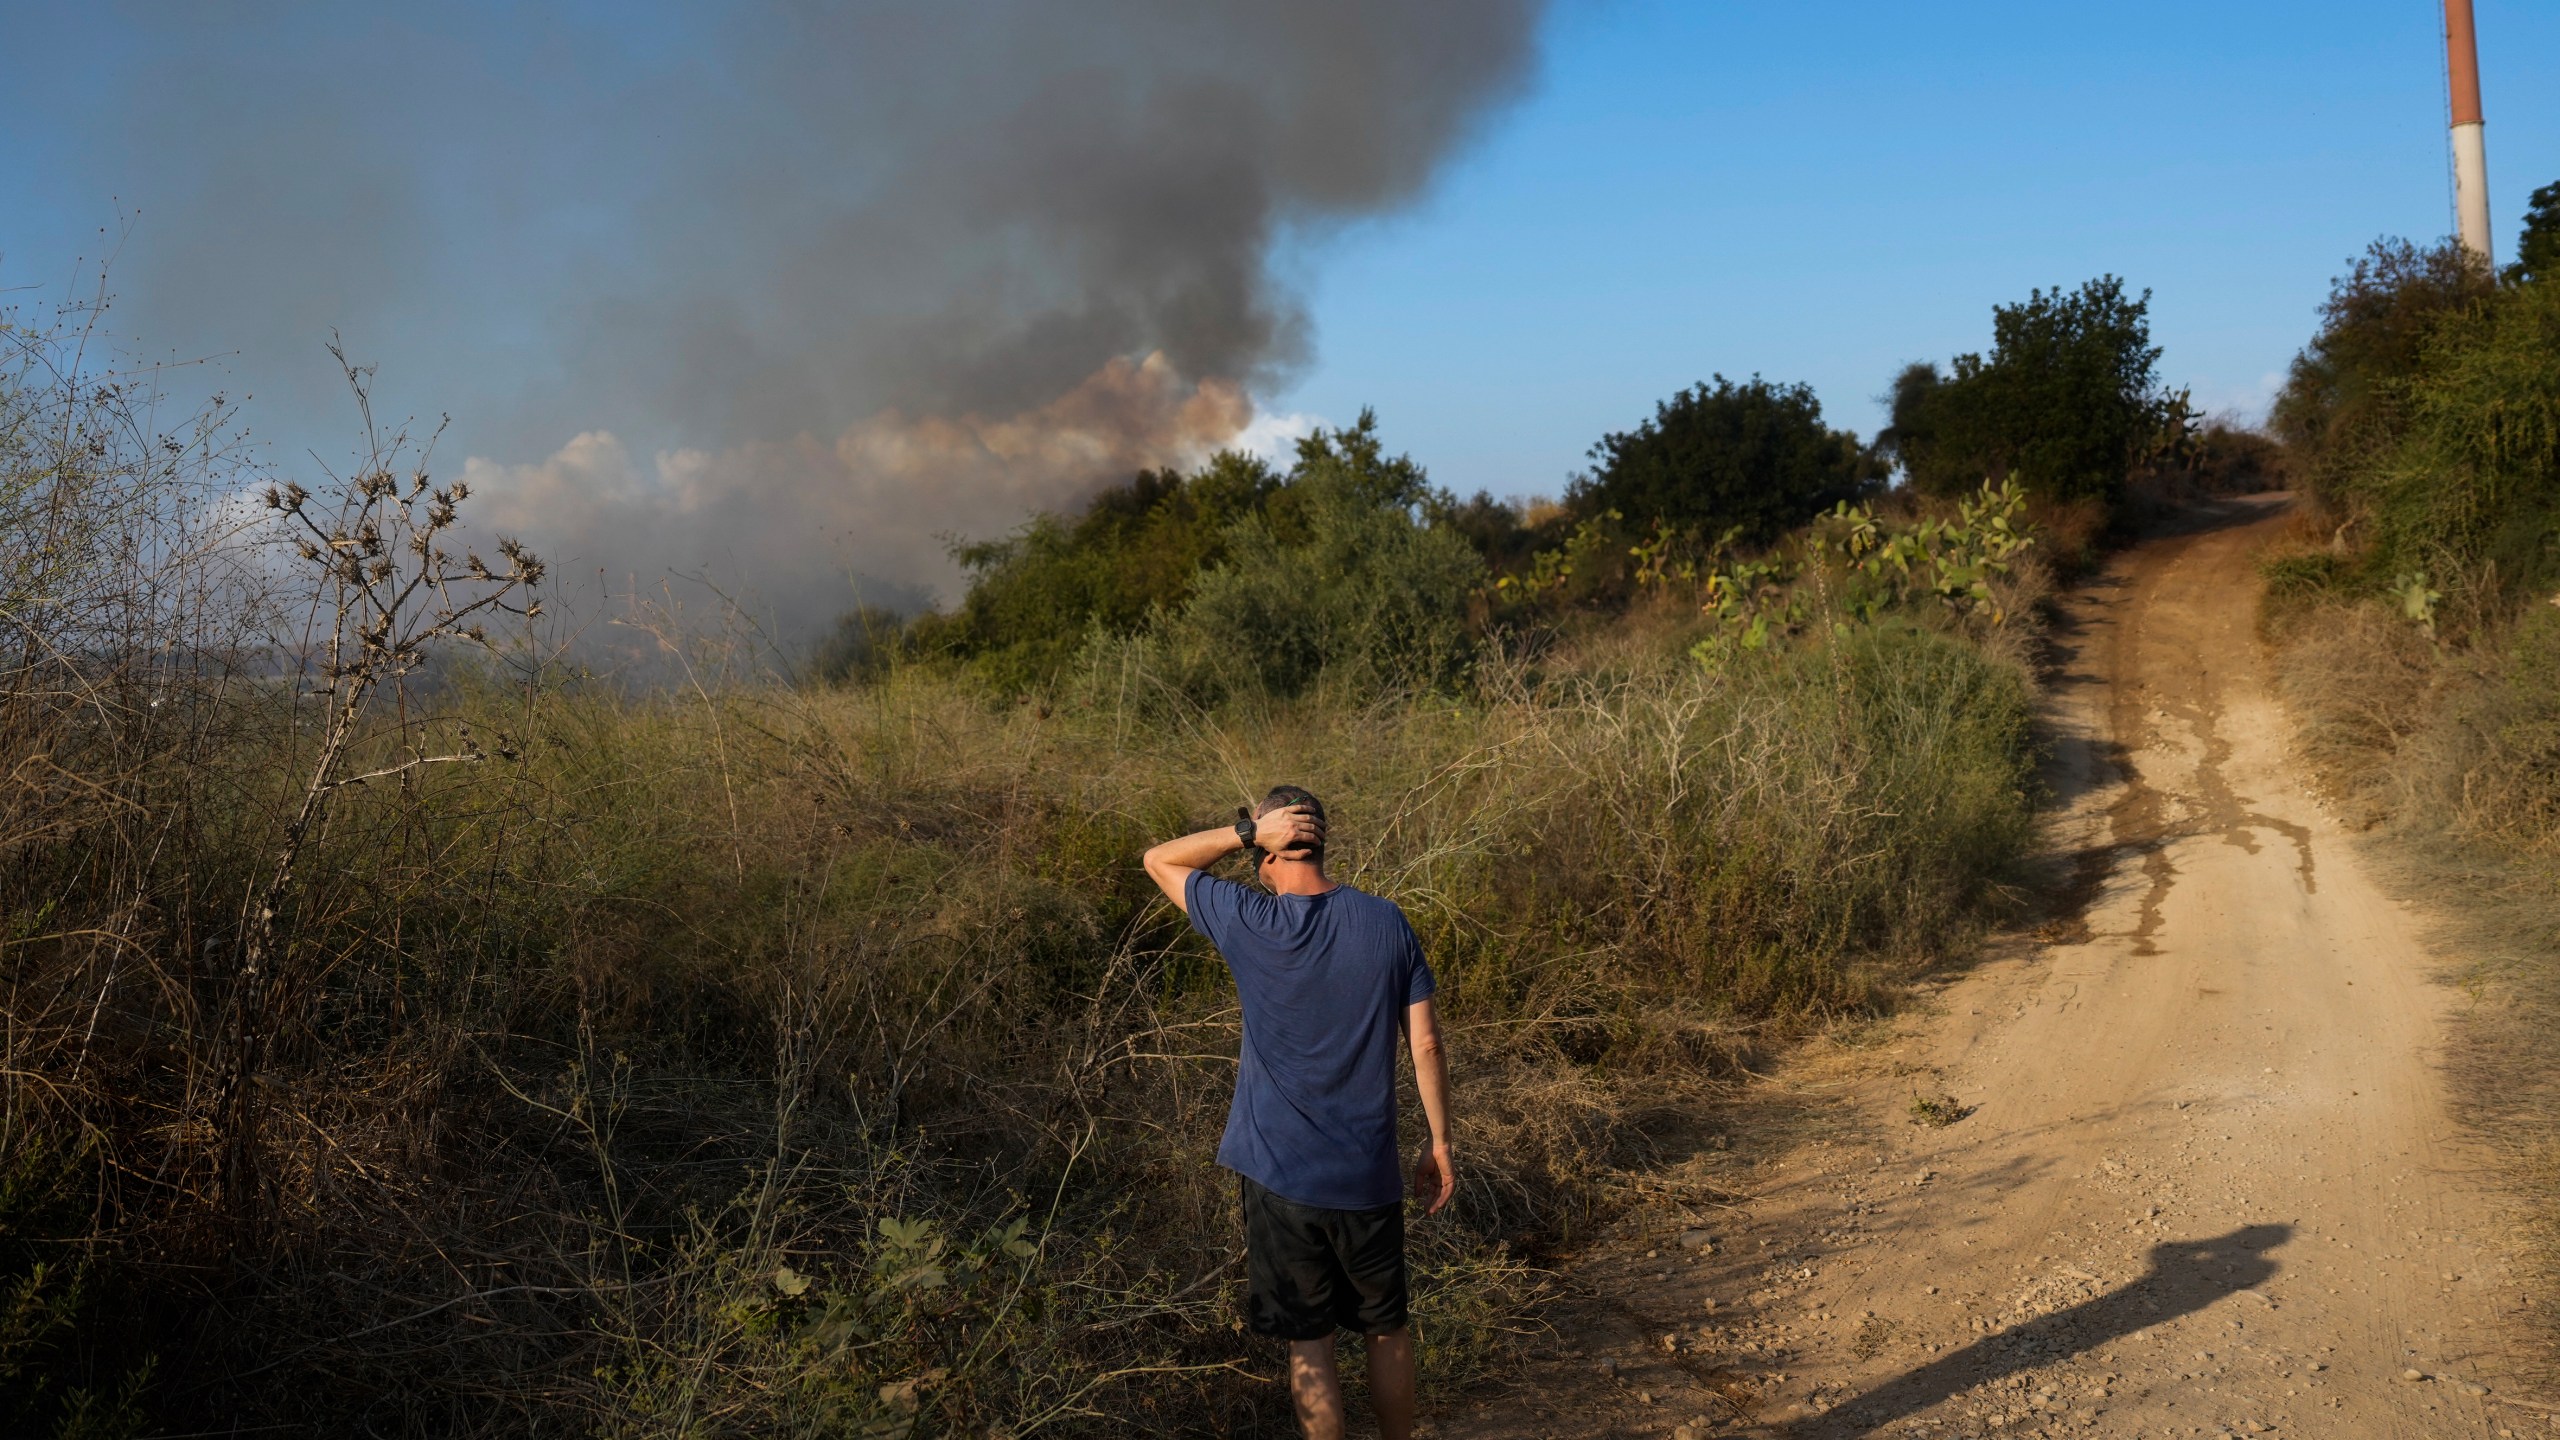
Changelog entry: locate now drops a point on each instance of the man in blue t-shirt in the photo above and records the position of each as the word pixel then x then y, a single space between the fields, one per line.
pixel 1330 978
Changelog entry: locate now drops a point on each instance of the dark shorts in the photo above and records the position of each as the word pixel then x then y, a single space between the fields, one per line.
pixel 1311 1271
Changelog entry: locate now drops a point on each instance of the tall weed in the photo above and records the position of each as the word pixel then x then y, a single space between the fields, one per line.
pixel 731 1058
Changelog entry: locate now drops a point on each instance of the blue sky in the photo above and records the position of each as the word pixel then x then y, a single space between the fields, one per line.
pixel 1813 191
pixel 1821 192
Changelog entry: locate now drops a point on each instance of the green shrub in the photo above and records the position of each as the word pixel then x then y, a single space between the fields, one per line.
pixel 2068 399
pixel 2471 489
pixel 2339 405
pixel 2302 575
pixel 1752 459
pixel 1859 565
pixel 2188 461
pixel 1250 580
pixel 864 642
pixel 1131 553
pixel 55 1335
pixel 1341 575
pixel 2538 239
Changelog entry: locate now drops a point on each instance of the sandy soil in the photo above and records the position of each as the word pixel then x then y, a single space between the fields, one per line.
pixel 2204 1181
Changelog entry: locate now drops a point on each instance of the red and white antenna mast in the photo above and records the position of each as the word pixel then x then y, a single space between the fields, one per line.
pixel 2470 154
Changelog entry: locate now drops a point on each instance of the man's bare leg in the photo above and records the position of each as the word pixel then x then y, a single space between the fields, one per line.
pixel 1316 1388
pixel 1391 1383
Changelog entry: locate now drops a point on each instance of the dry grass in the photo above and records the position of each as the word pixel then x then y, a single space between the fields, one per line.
pixel 729 1058
pixel 703 986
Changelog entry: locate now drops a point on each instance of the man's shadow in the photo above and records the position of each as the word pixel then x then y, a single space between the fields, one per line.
pixel 2185 1276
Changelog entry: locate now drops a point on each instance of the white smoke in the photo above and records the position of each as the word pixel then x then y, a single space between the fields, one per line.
pixel 806 526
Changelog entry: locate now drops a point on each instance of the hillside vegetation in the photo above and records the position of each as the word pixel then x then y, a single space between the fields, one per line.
pixel 409 1034
pixel 2418 613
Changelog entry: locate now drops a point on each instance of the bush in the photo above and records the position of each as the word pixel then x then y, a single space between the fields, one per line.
pixel 864 643
pixel 1340 574
pixel 2221 458
pixel 2296 578
pixel 52 1322
pixel 1233 579
pixel 2470 491
pixel 2538 243
pixel 1506 533
pixel 2068 400
pixel 1133 552
pixel 2338 408
pixel 1754 459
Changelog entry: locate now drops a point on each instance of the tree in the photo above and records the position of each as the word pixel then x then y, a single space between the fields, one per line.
pixel 1754 457
pixel 865 640
pixel 1251 580
pixel 2426 412
pixel 2538 245
pixel 1134 550
pixel 1341 575
pixel 1500 530
pixel 2339 406
pixel 1910 437
pixel 2468 489
pixel 2066 400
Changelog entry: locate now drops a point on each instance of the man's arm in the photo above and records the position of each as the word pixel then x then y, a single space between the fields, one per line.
pixel 1435 1176
pixel 1171 863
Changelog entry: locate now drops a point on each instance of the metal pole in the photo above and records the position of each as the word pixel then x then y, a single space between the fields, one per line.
pixel 2470 154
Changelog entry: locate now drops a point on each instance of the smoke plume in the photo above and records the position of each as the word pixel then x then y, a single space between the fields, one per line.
pixel 785 290
pixel 779 518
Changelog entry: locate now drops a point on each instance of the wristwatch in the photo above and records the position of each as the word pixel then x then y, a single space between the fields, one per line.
pixel 1244 827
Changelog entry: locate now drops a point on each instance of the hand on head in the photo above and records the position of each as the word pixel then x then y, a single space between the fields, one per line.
pixel 1292 832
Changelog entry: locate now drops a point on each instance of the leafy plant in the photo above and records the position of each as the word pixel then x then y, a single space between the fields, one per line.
pixel 48 1297
pixel 2299 576
pixel 1958 561
pixel 2340 406
pixel 2417 600
pixel 1663 557
pixel 1132 553
pixel 2538 239
pixel 2066 402
pixel 863 1355
pixel 1554 572
pixel 1749 603
pixel 1754 457
pixel 1340 575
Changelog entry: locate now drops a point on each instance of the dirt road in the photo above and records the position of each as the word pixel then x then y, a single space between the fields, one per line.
pixel 2204 1182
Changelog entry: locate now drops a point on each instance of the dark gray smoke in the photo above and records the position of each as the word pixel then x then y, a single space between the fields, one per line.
pixel 785 289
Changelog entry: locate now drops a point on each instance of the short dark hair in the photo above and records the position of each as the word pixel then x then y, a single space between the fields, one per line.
pixel 1284 796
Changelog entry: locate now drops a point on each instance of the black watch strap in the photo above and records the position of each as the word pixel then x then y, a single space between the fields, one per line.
pixel 1244 827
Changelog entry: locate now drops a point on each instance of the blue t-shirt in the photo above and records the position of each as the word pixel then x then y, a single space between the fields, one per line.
pixel 1325 980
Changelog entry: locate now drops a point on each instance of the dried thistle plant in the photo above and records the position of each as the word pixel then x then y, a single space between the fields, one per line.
pixel 387 592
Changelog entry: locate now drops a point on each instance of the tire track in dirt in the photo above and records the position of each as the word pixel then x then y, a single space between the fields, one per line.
pixel 2208 1184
